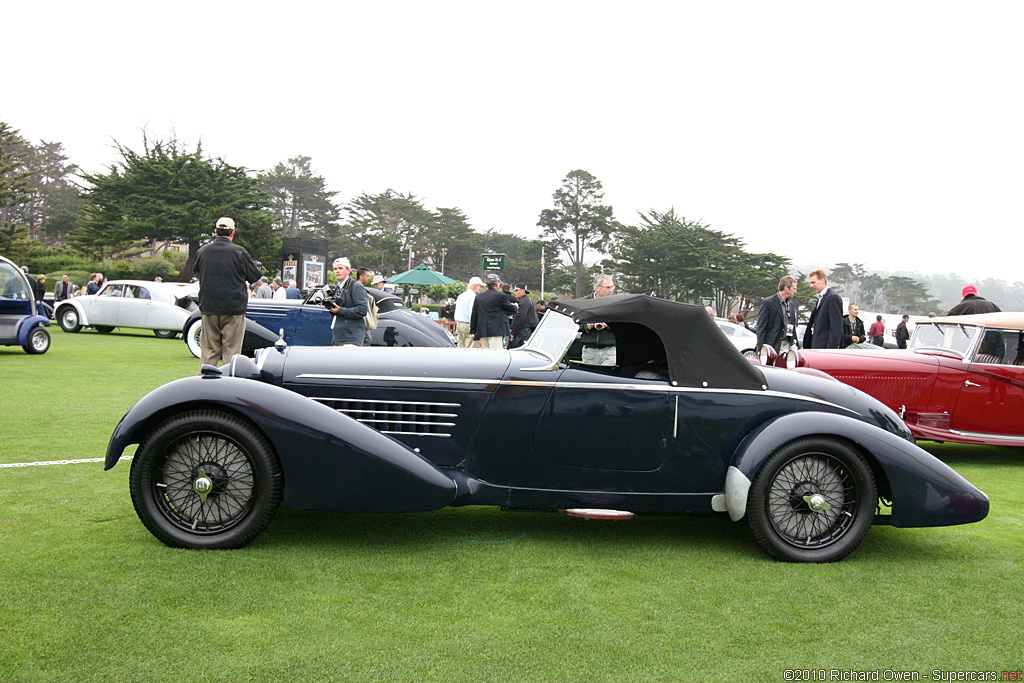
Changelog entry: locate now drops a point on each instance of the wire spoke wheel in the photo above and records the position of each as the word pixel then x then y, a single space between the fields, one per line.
pixel 193 460
pixel 812 501
pixel 205 479
pixel 792 516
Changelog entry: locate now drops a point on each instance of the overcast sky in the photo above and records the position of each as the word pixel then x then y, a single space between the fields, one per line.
pixel 883 133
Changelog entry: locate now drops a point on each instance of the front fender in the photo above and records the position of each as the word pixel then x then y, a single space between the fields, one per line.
pixel 925 491
pixel 25 327
pixel 83 317
pixel 330 461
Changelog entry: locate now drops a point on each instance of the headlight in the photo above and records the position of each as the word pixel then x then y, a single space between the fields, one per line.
pixel 794 359
pixel 767 355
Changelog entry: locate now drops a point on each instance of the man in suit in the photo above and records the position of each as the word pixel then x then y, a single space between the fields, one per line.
pixel 64 289
pixel 825 328
pixel 776 320
pixel 489 323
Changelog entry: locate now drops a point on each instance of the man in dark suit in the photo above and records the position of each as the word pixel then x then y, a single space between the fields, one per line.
pixel 491 309
pixel 776 320
pixel 825 328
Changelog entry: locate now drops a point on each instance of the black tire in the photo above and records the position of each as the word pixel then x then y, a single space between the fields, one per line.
pixel 782 510
pixel 68 319
pixel 221 451
pixel 193 338
pixel 104 329
pixel 165 334
pixel 38 340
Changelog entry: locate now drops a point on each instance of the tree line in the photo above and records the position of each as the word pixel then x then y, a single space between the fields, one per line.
pixel 53 216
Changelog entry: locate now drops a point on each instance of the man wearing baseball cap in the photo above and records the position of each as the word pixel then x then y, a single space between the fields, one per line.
pixel 224 270
pixel 972 303
pixel 464 312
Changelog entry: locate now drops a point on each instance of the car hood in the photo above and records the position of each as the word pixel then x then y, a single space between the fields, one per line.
pixel 479 368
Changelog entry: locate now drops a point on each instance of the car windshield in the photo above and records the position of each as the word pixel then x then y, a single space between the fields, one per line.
pixel 553 336
pixel 12 283
pixel 948 336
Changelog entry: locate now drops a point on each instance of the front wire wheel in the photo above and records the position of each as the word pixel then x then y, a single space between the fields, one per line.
pixel 813 500
pixel 205 479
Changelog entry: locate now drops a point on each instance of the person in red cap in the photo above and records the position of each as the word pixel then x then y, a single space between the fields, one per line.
pixel 972 303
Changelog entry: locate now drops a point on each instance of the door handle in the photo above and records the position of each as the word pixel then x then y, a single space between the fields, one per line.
pixel 969 383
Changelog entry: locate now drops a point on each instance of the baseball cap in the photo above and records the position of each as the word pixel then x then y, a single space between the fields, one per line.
pixel 970 289
pixel 522 286
pixel 492 278
pixel 226 223
pixel 475 281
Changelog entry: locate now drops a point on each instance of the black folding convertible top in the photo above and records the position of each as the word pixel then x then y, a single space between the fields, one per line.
pixel 696 351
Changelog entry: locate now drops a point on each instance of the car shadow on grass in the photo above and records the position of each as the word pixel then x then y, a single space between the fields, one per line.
pixel 468 527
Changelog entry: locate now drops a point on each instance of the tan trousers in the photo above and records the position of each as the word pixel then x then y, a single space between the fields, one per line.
pixel 492 342
pixel 222 338
pixel 464 337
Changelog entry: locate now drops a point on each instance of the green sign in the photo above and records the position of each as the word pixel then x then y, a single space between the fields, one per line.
pixel 492 261
pixel 707 301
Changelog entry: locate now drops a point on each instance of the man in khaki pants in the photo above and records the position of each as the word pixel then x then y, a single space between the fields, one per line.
pixel 224 270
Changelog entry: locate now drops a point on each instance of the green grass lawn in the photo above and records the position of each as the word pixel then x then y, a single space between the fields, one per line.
pixel 468 594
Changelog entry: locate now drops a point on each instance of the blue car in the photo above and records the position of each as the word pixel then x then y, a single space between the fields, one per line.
pixel 681 424
pixel 305 322
pixel 20 323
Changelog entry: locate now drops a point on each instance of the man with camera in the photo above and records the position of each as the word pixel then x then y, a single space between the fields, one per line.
pixel 346 301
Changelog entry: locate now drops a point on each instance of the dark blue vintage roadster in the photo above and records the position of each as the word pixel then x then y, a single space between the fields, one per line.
pixel 682 424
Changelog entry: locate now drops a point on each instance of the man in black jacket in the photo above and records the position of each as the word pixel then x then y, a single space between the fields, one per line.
pixel 525 321
pixel 853 327
pixel 776 320
pixel 491 309
pixel 224 271
pixel 597 339
pixel 825 328
pixel 972 303
pixel 902 334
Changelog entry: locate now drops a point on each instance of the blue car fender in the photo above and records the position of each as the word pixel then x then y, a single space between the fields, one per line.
pixel 25 326
pixel 925 491
pixel 329 461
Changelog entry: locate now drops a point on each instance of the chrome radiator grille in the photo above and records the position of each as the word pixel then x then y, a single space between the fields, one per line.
pixel 419 418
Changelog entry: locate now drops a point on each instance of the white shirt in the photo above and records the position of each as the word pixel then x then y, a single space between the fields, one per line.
pixel 464 306
pixel 279 293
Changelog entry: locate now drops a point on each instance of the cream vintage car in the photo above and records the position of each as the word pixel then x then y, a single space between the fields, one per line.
pixel 159 306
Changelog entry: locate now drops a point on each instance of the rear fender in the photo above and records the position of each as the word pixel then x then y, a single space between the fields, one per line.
pixel 330 461
pixel 925 491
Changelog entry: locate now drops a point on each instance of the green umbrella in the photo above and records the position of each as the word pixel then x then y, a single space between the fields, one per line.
pixel 421 275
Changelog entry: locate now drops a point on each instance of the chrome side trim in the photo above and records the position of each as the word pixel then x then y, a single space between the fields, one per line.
pixel 983 435
pixel 576 385
pixel 403 403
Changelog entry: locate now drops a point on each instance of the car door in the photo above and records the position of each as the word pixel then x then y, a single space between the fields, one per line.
pixel 134 307
pixel 991 398
pixel 103 309
pixel 611 424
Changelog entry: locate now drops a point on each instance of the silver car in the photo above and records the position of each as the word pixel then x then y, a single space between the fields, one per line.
pixel 743 339
pixel 159 306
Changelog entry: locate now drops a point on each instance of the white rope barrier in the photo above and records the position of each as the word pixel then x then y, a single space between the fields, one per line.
pixel 58 462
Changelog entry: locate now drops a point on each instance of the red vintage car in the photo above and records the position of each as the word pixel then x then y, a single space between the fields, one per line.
pixel 960 379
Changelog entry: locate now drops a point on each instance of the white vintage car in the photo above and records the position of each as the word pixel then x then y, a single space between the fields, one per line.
pixel 159 306
pixel 743 339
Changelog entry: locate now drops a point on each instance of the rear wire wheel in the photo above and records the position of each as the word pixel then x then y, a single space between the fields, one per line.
pixel 813 500
pixel 205 479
